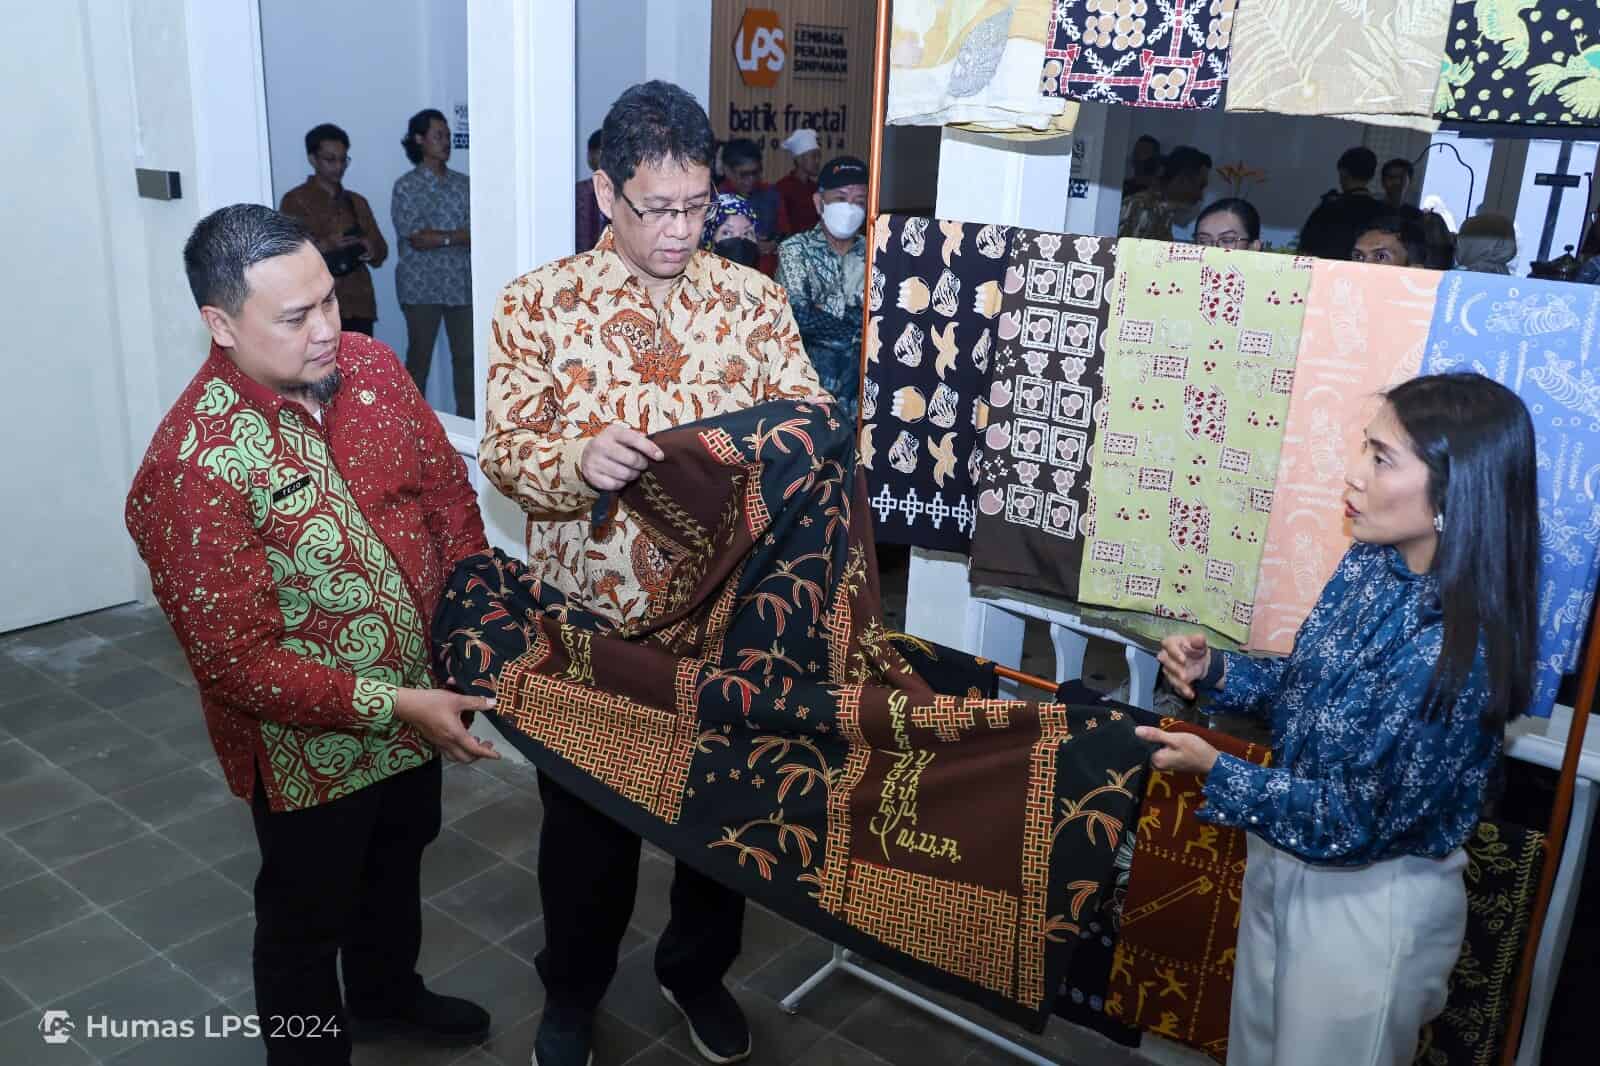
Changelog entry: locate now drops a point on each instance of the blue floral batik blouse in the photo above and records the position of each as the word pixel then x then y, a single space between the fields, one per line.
pixel 1357 773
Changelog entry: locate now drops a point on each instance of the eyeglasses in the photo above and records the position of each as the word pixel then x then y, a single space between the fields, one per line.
pixel 1222 240
pixel 660 216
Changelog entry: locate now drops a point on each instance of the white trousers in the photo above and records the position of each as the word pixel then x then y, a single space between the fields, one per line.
pixel 1340 966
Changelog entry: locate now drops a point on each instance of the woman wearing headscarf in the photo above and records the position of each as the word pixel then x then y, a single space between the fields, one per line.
pixel 730 230
pixel 1486 244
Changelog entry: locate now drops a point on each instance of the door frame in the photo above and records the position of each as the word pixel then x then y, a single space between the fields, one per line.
pixel 521 86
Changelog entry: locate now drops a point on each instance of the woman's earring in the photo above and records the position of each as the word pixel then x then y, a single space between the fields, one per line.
pixel 1438 523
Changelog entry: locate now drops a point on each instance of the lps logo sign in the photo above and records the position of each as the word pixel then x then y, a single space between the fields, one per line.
pixel 759 48
pixel 56 1027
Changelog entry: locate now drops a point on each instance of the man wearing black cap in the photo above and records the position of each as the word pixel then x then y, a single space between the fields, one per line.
pixel 825 271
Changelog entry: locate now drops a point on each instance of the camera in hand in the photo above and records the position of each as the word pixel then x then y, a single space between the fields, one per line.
pixel 342 261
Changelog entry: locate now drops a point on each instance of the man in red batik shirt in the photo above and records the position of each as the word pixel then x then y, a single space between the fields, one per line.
pixel 300 509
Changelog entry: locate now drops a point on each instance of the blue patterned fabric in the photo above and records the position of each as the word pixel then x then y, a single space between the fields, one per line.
pixel 1538 339
pixel 826 291
pixel 1357 774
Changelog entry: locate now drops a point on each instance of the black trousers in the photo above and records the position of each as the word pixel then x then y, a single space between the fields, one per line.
pixel 422 329
pixel 340 881
pixel 588 876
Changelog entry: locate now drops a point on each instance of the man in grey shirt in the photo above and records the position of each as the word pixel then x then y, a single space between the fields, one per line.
pixel 433 278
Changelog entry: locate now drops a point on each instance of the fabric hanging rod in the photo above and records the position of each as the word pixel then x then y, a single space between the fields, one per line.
pixel 880 107
pixel 1556 835
pixel 1025 679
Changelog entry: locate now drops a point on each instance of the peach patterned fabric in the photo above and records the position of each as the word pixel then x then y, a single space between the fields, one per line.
pixel 1365 330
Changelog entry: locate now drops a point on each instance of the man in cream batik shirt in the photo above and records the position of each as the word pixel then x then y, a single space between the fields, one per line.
pixel 588 355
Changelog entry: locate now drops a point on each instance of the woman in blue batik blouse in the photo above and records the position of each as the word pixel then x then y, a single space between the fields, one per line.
pixel 1387 720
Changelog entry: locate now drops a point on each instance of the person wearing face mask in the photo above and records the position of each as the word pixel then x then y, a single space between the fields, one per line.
pixel 1174 201
pixel 742 162
pixel 730 230
pixel 825 271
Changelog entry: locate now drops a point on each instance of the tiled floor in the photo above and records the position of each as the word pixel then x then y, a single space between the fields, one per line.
pixel 126 869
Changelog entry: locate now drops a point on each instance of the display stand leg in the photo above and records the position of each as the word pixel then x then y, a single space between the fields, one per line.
pixel 844 962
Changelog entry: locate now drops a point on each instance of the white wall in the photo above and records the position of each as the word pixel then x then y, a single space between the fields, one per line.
pixel 366 66
pixel 522 90
pixel 624 42
pixel 102 88
pixel 611 57
pixel 678 45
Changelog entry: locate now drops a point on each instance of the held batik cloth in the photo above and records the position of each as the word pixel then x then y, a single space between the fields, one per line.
pixel 1376 61
pixel 578 344
pixel 1033 476
pixel 1200 358
pixel 1530 62
pixel 1503 866
pixel 1148 53
pixel 1173 974
pixel 1538 338
pixel 935 293
pixel 1365 330
pixel 762 725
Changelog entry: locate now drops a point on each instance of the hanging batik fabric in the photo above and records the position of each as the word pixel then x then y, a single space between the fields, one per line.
pixel 1033 474
pixel 1172 974
pixel 1364 332
pixel 1200 359
pixel 934 296
pixel 1149 53
pixel 973 65
pixel 1375 61
pixel 1538 338
pixel 1528 62
pixel 1503 866
pixel 1083 998
pixel 761 725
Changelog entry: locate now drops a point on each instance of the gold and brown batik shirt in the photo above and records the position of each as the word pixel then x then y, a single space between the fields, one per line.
pixel 577 345
pixel 300 561
pixel 328 217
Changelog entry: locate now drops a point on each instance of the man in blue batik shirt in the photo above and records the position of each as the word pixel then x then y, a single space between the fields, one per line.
pixel 825 271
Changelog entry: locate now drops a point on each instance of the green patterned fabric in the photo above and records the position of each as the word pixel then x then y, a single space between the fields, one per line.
pixel 1199 363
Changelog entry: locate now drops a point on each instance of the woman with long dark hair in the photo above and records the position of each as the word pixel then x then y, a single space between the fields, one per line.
pixel 1388 718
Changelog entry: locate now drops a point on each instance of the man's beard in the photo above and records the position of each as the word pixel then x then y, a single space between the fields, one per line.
pixel 322 391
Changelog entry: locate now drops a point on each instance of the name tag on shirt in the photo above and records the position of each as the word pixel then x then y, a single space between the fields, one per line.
pixel 279 495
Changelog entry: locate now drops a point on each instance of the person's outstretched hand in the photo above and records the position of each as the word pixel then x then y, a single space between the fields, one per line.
pixel 437 713
pixel 1184 660
pixel 1180 753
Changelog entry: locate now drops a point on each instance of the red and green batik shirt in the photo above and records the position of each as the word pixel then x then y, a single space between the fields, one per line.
pixel 300 563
